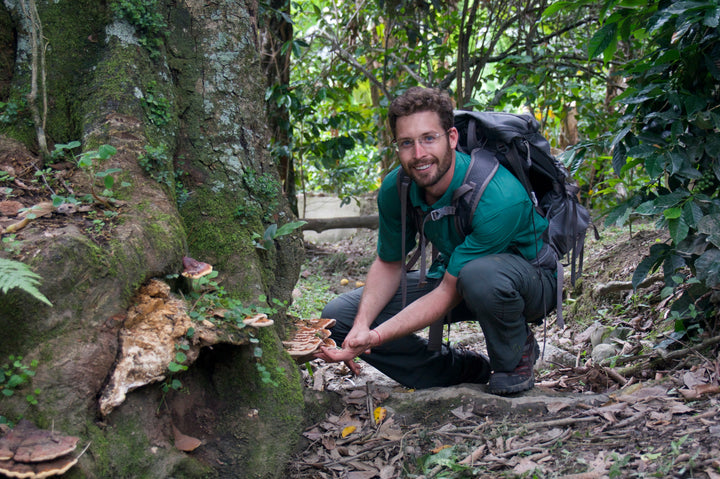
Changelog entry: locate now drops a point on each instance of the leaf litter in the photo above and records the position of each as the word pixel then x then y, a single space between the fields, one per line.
pixel 658 417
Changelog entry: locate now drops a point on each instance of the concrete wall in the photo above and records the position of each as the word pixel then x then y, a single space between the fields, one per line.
pixel 327 206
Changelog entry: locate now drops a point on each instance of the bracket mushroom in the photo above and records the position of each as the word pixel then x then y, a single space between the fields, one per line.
pixel 309 337
pixel 195 269
pixel 29 452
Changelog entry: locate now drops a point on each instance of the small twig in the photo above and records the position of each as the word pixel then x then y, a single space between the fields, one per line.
pixel 42 175
pixel 567 421
pixel 627 421
pixel 617 377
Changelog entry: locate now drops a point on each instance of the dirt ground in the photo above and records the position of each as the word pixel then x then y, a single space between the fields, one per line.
pixel 641 416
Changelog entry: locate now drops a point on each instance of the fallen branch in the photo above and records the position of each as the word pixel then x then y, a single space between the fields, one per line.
pixel 656 358
pixel 322 224
pixel 615 286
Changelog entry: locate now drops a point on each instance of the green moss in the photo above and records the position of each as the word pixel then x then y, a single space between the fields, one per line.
pixel 121 450
pixel 279 407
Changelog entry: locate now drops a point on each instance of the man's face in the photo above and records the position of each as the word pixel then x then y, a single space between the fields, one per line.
pixel 426 151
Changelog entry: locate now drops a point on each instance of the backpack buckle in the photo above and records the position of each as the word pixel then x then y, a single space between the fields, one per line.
pixel 442 212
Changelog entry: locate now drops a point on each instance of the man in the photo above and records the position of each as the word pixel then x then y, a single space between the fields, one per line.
pixel 487 276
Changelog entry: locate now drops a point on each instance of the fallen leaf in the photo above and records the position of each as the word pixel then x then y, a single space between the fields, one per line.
pixel 554 407
pixel 348 430
pixel 439 448
pixel 379 414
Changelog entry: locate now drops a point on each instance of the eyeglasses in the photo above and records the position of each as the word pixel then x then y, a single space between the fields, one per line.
pixel 407 144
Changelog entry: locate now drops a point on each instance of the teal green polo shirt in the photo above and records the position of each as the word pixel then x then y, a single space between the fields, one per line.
pixel 503 222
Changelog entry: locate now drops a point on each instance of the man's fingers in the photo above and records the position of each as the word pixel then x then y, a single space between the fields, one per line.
pixel 353 367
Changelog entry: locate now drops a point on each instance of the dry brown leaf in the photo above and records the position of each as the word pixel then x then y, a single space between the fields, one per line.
pixel 554 407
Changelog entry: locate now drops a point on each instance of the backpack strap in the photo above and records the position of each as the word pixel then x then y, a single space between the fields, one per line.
pixel 482 169
pixel 404 181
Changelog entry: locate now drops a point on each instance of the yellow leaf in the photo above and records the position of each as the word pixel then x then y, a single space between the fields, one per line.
pixel 348 430
pixel 380 413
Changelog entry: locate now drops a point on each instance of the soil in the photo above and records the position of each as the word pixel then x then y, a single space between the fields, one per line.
pixel 638 416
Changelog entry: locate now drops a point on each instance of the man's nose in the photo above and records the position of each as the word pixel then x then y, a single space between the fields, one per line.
pixel 418 149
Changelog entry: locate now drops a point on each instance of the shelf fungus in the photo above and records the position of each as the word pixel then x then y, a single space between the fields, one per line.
pixel 260 320
pixel 29 452
pixel 310 335
pixel 195 269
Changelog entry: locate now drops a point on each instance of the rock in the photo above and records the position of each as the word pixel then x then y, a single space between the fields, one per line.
pixel 554 357
pixel 620 332
pixel 604 351
pixel 599 334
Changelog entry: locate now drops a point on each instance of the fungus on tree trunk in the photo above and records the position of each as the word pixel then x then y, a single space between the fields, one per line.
pixel 29 452
pixel 260 320
pixel 195 269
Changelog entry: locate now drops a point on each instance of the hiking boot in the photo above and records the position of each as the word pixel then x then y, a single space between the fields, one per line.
pixel 476 367
pixel 523 377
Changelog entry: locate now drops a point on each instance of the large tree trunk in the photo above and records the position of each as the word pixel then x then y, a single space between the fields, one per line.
pixel 192 91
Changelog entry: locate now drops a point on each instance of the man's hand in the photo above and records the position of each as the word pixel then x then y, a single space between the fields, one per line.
pixel 358 341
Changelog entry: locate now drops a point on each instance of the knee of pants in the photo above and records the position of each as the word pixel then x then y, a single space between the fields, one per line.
pixel 487 288
pixel 343 310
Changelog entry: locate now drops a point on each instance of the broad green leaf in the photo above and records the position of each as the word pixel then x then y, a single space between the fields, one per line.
pixel 707 267
pixel 174 367
pixel 677 227
pixel 106 151
pixel 288 228
pixel 649 263
pixel 710 225
pixel 555 7
pixel 672 213
pixel 602 39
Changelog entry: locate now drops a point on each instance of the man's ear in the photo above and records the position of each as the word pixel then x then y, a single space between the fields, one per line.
pixel 453 137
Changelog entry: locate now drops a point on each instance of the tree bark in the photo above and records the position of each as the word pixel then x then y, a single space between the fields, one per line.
pixel 192 92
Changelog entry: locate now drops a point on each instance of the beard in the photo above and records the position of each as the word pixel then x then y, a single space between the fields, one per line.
pixel 439 166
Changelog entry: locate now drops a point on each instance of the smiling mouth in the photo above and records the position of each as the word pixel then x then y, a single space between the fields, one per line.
pixel 423 167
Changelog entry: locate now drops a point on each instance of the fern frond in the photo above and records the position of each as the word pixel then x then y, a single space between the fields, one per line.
pixel 14 274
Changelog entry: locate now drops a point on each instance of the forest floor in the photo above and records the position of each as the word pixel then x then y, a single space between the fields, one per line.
pixel 650 411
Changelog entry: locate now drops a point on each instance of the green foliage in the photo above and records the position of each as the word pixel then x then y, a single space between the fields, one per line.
pixel 88 161
pixel 148 21
pixel 14 274
pixel 10 110
pixel 14 375
pixel 670 127
pixel 267 240
pixel 11 244
pixel 157 107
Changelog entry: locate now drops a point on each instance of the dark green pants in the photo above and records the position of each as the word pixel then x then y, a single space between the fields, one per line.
pixel 502 292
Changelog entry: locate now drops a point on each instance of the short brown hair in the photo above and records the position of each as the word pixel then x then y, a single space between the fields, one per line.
pixel 419 99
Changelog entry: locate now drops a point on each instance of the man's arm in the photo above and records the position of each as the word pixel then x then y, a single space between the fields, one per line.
pixel 417 315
